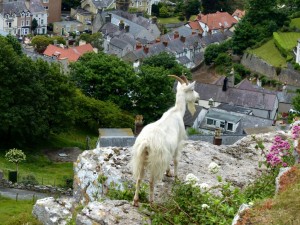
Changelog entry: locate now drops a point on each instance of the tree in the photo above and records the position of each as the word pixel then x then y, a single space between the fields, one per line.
pixel 154 93
pixel 164 12
pixel 34 25
pixel 94 39
pixel 14 43
pixel 92 114
pixel 36 98
pixel 168 62
pixel 15 156
pixel 104 77
pixel 191 7
pixel 40 43
pixel 212 6
pixel 296 101
pixel 68 4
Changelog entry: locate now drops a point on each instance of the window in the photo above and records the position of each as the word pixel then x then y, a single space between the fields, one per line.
pixel 42 21
pixel 27 22
pixel 45 1
pixel 210 121
pixel 22 23
pixel 9 24
pixel 230 126
pixel 222 124
pixel 46 7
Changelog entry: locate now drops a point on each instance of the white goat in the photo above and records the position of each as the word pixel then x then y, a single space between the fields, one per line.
pixel 162 140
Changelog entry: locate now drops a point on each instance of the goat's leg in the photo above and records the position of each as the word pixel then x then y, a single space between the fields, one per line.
pixel 151 189
pixel 176 168
pixel 137 189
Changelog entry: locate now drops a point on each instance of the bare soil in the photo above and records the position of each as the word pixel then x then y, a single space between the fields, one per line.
pixel 205 74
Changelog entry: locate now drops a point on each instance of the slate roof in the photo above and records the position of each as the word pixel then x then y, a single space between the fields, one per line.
pixel 183 60
pixel 14 7
pixel 100 4
pixel 72 54
pixel 36 6
pixel 119 43
pixel 109 29
pixel 189 118
pixel 234 108
pixel 239 97
pixel 285 97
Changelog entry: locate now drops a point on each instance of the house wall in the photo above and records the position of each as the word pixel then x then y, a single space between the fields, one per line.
pixel 42 22
pixel 284 107
pixel 199 118
pixel 89 6
pixel 53 9
pixel 298 52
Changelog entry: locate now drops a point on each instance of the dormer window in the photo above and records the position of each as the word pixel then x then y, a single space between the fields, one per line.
pixel 22 14
pixel 211 102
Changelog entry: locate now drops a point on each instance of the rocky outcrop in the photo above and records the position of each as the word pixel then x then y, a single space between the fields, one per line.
pixel 111 212
pixel 95 170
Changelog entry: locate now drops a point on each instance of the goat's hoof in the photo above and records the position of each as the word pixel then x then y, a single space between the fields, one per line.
pixel 135 203
pixel 169 174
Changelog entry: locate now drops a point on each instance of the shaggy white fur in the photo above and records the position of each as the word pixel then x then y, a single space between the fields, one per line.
pixel 162 141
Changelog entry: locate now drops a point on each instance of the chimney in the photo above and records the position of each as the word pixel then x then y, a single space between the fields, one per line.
pixel 146 49
pixel 138 45
pixel 193 32
pixel 176 34
pixel 127 27
pixel 154 19
pixel 222 29
pixel 165 43
pixel 182 38
pixel 107 18
pixel 224 88
pixel 121 25
pixel 157 40
pixel 200 35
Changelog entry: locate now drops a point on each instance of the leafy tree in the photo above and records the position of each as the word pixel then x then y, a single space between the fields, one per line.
pixel 40 43
pixel 15 156
pixel 154 92
pixel 58 39
pixel 212 6
pixel 94 39
pixel 93 113
pixel 296 101
pixel 168 62
pixel 68 4
pixel 155 10
pixel 191 7
pixel 35 99
pixel 213 50
pixel 34 24
pixel 14 43
pixel 104 77
pixel 164 12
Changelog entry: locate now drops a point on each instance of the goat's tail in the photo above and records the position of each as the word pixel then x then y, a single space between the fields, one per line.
pixel 152 155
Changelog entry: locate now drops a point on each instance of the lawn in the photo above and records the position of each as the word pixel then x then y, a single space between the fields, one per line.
pixel 295 23
pixel 14 212
pixel 37 164
pixel 173 20
pixel 288 40
pixel 270 54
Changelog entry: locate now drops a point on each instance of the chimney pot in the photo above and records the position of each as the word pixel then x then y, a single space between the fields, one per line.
pixel 176 34
pixel 138 45
pixel 157 40
pixel 182 38
pixel 165 43
pixel 146 49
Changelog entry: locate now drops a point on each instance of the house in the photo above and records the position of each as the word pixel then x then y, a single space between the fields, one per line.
pixel 262 103
pixel 83 16
pixel 66 27
pixel 194 25
pixel 39 13
pixel 230 119
pixel 95 6
pixel 213 22
pixel 53 8
pixel 71 54
pixel 16 16
pixel 238 14
pixel 285 101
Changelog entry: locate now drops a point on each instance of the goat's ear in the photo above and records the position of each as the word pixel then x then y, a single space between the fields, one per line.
pixel 191 86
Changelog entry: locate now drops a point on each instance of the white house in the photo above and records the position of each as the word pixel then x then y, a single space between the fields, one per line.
pixel 298 52
pixel 39 13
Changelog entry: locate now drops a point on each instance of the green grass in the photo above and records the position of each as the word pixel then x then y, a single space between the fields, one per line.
pixel 288 40
pixel 16 213
pixel 295 23
pixel 270 54
pixel 37 164
pixel 173 20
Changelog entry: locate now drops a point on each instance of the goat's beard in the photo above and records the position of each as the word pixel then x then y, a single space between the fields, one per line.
pixel 191 107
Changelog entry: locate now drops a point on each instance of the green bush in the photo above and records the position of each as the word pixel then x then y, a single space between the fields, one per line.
pixel 29 180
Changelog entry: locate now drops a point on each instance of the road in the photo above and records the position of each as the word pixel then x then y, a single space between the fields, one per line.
pixel 22 194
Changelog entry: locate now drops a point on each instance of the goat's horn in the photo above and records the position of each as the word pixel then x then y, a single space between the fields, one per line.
pixel 184 79
pixel 177 78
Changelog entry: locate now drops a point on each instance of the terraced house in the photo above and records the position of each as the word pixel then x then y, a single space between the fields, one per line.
pixel 16 16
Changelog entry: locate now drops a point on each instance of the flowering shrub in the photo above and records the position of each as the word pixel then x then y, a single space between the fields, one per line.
pixel 295 132
pixel 213 167
pixel 279 153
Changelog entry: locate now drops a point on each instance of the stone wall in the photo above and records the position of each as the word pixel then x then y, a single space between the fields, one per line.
pixel 258 65
pixel 129 141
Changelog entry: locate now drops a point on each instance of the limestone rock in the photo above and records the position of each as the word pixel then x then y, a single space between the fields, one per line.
pixel 53 212
pixel 111 212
